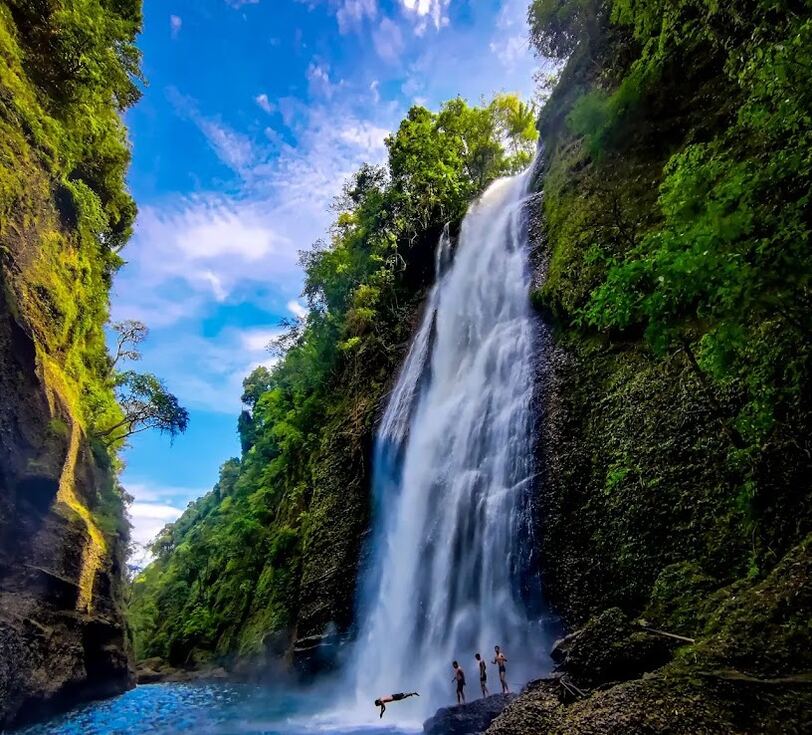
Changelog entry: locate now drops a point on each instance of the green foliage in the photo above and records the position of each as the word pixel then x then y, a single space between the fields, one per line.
pixel 677 211
pixel 729 269
pixel 268 548
pixel 557 27
pixel 68 69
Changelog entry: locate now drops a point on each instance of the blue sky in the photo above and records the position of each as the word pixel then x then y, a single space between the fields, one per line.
pixel 255 113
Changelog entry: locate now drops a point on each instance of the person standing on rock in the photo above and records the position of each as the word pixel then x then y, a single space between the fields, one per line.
pixel 483 674
pixel 500 661
pixel 459 677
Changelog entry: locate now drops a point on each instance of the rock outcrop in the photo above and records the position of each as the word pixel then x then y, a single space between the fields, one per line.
pixel 65 75
pixel 467 719
pixel 62 634
pixel 749 670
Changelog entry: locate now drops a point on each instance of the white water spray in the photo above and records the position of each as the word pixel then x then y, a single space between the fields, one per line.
pixel 449 574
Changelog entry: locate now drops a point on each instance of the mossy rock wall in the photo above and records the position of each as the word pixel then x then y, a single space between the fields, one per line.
pixel 63 213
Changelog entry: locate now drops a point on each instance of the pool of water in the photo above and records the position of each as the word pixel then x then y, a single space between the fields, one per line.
pixel 222 708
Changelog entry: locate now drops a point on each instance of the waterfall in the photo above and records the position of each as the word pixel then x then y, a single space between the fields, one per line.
pixel 449 572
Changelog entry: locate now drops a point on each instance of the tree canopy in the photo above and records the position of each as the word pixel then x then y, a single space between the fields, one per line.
pixel 362 288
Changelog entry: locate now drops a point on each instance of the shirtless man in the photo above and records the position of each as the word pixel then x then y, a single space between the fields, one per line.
pixel 459 677
pixel 483 675
pixel 383 701
pixel 500 661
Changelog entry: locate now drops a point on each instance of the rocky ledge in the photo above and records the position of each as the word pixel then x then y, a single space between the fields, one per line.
pixel 467 719
pixel 743 666
pixel 155 670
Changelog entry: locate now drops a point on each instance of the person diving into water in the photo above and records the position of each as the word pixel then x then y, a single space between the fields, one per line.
pixel 383 701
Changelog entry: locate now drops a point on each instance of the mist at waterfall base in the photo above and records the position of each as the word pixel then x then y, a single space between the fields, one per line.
pixel 450 567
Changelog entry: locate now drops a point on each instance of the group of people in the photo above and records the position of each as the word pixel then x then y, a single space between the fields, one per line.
pixel 459 675
pixel 459 678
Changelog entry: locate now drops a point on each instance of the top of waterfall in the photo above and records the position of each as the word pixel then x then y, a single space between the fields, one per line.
pixel 444 253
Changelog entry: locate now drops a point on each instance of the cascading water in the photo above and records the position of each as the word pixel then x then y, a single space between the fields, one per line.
pixel 453 462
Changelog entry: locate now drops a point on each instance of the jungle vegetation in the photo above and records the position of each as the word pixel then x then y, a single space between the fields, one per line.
pixel 228 572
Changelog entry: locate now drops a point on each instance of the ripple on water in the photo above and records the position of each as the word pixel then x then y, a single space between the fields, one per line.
pixel 203 709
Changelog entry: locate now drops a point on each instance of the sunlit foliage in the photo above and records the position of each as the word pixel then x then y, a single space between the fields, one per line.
pixel 248 535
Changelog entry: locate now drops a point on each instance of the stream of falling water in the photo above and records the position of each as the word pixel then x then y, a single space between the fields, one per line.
pixel 450 572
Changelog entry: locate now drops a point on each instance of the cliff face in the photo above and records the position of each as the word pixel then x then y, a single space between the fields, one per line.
pixel 674 397
pixel 64 213
pixel 675 401
pixel 62 633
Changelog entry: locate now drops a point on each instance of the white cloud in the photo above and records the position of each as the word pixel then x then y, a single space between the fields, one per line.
pixel 425 11
pixel 237 4
pixel 152 508
pixel 147 520
pixel 388 40
pixel 365 135
pixel 190 250
pixel 175 24
pixel 297 309
pixel 351 13
pixel 318 78
pixel 257 340
pixel 264 103
pixel 510 50
pixel 375 88
pixel 233 149
pixel 146 492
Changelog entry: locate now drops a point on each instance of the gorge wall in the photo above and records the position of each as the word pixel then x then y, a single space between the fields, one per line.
pixel 64 213
pixel 673 394
pixel 674 403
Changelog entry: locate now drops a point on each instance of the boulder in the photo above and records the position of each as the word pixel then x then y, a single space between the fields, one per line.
pixel 611 648
pixel 469 718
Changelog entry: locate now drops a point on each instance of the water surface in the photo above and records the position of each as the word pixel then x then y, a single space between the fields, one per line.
pixel 221 708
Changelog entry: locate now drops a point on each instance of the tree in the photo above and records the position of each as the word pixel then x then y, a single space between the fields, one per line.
pixel 146 404
pixel 557 27
pixel 516 122
pixel 130 333
pixel 255 384
pixel 143 398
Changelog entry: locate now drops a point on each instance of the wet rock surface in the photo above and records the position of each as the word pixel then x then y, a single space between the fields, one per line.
pixel 53 651
pixel 469 718
pixel 612 648
pixel 749 670
pixel 154 671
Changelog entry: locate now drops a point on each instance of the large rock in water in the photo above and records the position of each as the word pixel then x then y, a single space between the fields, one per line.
pixel 62 633
pixel 467 719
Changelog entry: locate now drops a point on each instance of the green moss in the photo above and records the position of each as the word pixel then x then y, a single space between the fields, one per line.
pixel 65 69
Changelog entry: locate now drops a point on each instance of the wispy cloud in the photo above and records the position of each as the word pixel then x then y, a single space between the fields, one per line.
pixel 264 103
pixel 388 40
pixel 152 508
pixel 234 149
pixel 237 4
pixel 351 13
pixel 175 24
pixel 318 78
pixel 510 50
pixel 425 12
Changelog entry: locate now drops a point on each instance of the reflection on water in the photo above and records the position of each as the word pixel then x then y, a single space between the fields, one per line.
pixel 209 708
